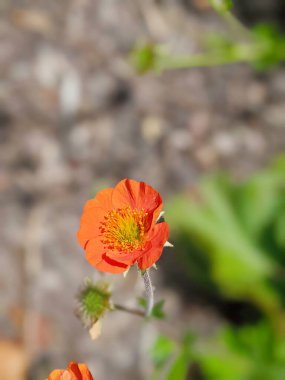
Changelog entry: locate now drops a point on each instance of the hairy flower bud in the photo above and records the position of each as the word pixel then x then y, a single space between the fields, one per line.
pixel 94 301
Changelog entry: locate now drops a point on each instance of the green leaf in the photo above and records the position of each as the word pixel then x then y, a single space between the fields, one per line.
pixel 157 310
pixel 180 367
pixel 161 351
pixel 141 302
pixel 279 228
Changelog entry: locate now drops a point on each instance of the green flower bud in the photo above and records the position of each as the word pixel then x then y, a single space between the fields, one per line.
pixel 94 301
pixel 143 58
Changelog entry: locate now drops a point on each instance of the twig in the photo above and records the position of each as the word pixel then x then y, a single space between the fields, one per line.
pixel 129 310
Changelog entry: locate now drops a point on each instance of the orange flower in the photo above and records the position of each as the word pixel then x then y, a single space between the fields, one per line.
pixel 118 227
pixel 74 371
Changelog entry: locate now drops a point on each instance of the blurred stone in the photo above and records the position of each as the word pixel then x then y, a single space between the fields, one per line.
pixel 181 140
pixel 51 170
pixel 274 115
pixel 69 92
pixel 256 94
pixel 278 83
pixel 201 4
pixel 199 124
pixel 32 20
pixel 13 361
pixel 101 87
pixel 206 157
pixel 80 140
pixel 254 142
pixel 47 66
pixel 225 144
pixel 152 128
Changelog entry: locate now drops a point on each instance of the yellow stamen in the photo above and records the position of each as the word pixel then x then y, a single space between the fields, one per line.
pixel 124 229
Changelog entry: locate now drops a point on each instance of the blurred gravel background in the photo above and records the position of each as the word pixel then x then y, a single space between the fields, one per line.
pixel 75 117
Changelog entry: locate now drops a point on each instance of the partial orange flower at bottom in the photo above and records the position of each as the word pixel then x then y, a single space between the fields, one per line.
pixel 74 371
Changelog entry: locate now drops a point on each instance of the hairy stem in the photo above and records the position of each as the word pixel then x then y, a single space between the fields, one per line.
pixel 148 292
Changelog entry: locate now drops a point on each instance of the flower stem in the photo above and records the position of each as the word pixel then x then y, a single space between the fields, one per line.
pixel 129 310
pixel 244 53
pixel 240 30
pixel 148 291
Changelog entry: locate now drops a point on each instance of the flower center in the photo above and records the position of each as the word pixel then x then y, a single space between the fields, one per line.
pixel 124 229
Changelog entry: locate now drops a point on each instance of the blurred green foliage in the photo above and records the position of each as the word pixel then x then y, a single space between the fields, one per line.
pixel 237 230
pixel 270 46
pixel 246 353
pixel 264 49
pixel 171 359
pixel 262 46
pixel 221 6
pixel 253 352
pixel 230 237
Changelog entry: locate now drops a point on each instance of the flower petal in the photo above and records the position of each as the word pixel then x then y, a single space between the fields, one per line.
pixel 95 254
pixel 80 371
pixel 93 214
pixel 86 375
pixel 128 258
pixel 136 195
pixel 90 222
pixel 73 372
pixel 68 375
pixel 94 251
pixel 111 266
pixel 56 374
pixel 157 237
pixel 102 199
pixel 74 369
